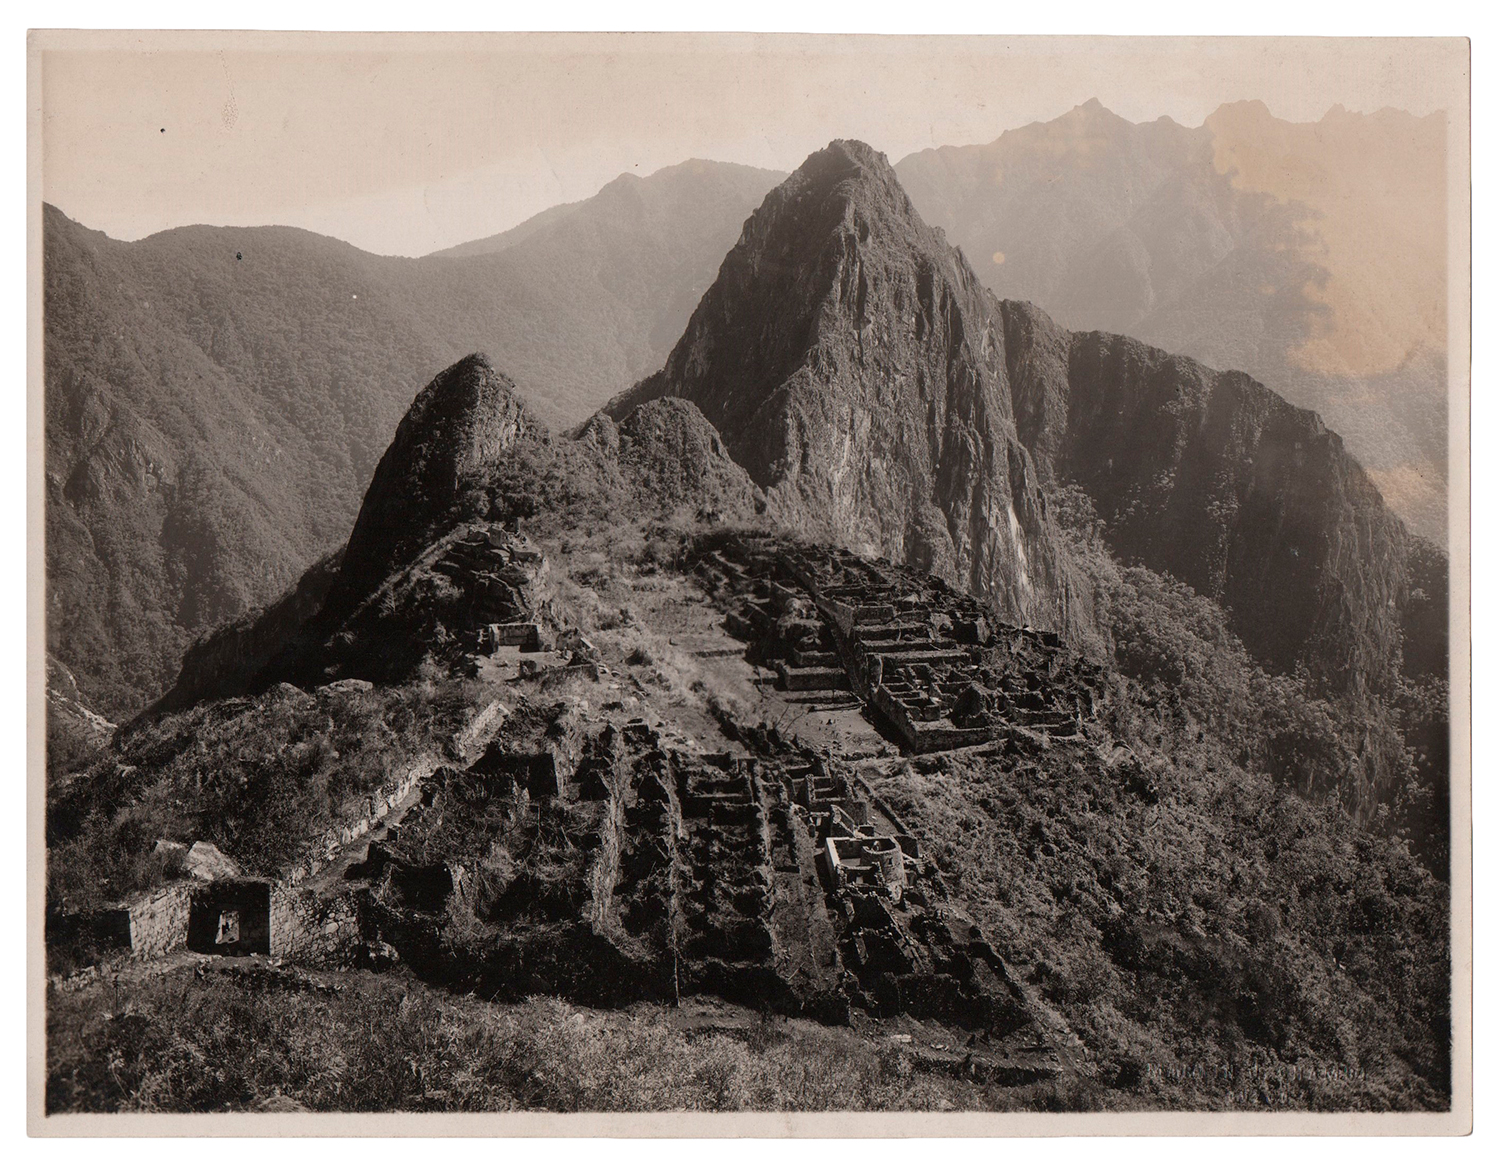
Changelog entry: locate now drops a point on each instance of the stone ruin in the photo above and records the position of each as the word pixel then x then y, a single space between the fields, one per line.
pixel 215 910
pixel 609 863
pixel 557 851
pixel 505 581
pixel 930 663
pixel 615 862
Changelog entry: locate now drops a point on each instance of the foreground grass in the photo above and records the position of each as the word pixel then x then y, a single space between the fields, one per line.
pixel 229 1041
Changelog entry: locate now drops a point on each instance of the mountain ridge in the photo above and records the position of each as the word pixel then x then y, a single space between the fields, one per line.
pixel 218 397
pixel 727 177
pixel 601 798
pixel 1311 255
pixel 842 322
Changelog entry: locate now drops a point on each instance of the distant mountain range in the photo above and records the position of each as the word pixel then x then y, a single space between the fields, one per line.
pixel 1312 256
pixel 217 398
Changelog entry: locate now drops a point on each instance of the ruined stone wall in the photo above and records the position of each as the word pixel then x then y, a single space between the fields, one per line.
pixel 377 805
pixel 925 737
pixel 159 921
pixel 393 791
pixel 468 743
pixel 313 929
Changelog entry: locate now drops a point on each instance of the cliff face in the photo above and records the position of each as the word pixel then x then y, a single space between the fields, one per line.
pixel 847 375
pixel 1214 478
pixel 1312 256
pixel 855 368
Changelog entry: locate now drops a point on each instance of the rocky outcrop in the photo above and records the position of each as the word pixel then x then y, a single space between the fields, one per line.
pixel 1215 479
pixel 429 566
pixel 855 368
pixel 455 434
pixel 670 455
pixel 217 397
pixel 848 376
pixel 378 599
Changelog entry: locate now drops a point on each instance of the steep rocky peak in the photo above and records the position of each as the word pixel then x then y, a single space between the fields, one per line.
pixel 845 188
pixel 458 427
pixel 855 368
pixel 835 253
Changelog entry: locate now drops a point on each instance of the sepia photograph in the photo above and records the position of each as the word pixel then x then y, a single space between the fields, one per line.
pixel 749 578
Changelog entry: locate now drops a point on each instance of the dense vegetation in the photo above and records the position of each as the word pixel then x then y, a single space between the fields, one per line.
pixel 1209 921
pixel 1383 761
pixel 1209 936
pixel 1232 892
pixel 1189 890
pixel 257 777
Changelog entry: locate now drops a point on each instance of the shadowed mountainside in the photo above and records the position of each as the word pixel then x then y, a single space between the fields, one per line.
pixel 1213 478
pixel 216 398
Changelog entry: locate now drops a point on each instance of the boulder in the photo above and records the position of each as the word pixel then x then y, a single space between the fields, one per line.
pixel 207 862
pixel 347 687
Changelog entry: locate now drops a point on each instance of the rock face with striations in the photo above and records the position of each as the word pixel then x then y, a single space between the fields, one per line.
pixel 855 368
pixel 1215 479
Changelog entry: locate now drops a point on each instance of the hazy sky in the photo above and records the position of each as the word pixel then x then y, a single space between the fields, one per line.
pixel 402 145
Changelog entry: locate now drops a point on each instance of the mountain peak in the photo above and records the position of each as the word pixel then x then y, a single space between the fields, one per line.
pixel 458 427
pixel 854 366
pixel 860 153
pixel 1092 112
pixel 847 160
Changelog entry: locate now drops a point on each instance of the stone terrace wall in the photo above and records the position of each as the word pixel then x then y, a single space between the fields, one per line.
pixel 377 805
pixel 315 929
